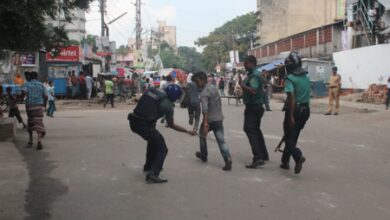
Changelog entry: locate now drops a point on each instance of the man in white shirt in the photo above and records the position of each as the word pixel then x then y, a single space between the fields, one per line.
pixel 89 84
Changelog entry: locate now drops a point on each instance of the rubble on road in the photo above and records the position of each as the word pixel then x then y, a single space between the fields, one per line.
pixel 376 94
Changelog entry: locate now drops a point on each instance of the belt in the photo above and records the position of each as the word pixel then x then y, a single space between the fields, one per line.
pixel 303 104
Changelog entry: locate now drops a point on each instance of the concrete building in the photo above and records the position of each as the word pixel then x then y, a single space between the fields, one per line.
pixel 131 42
pixel 320 42
pixel 168 33
pixel 277 19
pixel 75 29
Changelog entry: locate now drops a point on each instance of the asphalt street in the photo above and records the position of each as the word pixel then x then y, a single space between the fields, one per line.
pixel 91 169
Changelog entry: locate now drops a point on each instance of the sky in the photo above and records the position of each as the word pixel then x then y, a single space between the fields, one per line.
pixel 192 18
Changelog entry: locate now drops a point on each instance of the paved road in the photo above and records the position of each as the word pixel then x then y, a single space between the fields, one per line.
pixel 90 168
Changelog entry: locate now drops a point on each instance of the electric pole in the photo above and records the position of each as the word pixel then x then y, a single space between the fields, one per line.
pixel 234 49
pixel 138 28
pixel 102 12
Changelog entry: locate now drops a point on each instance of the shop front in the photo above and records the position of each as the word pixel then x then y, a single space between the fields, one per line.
pixel 67 61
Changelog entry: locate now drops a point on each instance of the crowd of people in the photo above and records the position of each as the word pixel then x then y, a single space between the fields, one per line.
pixel 203 95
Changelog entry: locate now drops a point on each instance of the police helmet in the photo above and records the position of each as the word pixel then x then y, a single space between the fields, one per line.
pixel 174 92
pixel 293 63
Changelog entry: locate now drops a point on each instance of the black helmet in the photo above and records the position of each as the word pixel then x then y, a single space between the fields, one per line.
pixel 293 63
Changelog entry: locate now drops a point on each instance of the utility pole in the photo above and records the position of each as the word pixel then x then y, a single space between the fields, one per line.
pixel 234 49
pixel 138 28
pixel 102 12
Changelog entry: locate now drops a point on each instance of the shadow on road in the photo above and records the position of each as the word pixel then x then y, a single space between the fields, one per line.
pixel 43 190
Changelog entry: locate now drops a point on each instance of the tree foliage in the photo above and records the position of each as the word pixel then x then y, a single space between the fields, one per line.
pixel 193 60
pixel 91 41
pixel 169 57
pixel 123 50
pixel 219 42
pixel 22 23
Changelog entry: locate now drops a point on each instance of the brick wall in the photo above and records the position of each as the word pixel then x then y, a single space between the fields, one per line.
pixel 284 45
pixel 264 52
pixel 311 39
pixel 298 42
pixel 302 41
pixel 272 49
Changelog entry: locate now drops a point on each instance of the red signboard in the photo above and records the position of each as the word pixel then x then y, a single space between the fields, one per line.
pixel 104 53
pixel 67 54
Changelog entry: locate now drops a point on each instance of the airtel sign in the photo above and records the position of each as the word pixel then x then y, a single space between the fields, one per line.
pixel 67 54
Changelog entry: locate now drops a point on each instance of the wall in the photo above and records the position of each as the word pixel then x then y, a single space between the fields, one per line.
pixel 320 42
pixel 363 66
pixel 281 18
pixel 75 29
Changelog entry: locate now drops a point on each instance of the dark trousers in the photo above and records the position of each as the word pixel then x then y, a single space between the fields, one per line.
pixel 302 114
pixel 388 98
pixel 194 113
pixel 83 91
pixel 252 121
pixel 156 150
pixel 266 101
pixel 109 98
pixel 69 92
pixel 52 108
pixel 14 112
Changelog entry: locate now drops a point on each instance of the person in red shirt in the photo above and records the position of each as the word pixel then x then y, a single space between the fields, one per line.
pixel 127 82
pixel 83 86
pixel 74 82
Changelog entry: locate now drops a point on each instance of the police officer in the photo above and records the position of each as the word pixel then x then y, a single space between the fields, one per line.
pixel 297 110
pixel 253 93
pixel 153 105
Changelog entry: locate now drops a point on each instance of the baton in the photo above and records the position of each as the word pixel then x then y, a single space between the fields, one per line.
pixel 280 144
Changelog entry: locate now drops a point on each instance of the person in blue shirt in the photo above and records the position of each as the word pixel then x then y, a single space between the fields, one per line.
pixel 36 94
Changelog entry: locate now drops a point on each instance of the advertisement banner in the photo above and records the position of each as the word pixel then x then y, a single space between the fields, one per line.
pixel 67 54
pixel 28 59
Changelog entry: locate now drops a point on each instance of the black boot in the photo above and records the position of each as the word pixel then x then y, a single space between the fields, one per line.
pixel 255 164
pixel 298 165
pixel 201 157
pixel 151 178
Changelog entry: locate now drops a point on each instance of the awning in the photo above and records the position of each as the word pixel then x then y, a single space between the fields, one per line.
pixel 271 66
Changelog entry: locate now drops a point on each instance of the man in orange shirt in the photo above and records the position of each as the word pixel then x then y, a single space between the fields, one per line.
pixel 334 92
pixel 18 80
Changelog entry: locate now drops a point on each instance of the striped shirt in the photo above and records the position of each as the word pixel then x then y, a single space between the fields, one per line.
pixel 35 92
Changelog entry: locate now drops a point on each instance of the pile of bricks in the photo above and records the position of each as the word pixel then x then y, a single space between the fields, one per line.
pixel 375 94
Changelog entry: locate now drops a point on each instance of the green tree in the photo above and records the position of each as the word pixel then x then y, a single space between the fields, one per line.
pixel 219 42
pixel 91 41
pixel 193 60
pixel 22 23
pixel 123 50
pixel 169 57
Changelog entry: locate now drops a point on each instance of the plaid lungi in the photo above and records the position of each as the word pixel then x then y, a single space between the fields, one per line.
pixel 35 119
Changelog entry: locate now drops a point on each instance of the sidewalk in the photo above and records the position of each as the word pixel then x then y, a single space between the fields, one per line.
pixel 14 180
pixel 343 103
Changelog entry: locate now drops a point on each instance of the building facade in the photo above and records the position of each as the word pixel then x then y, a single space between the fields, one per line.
pixel 320 42
pixel 168 33
pixel 76 28
pixel 277 19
